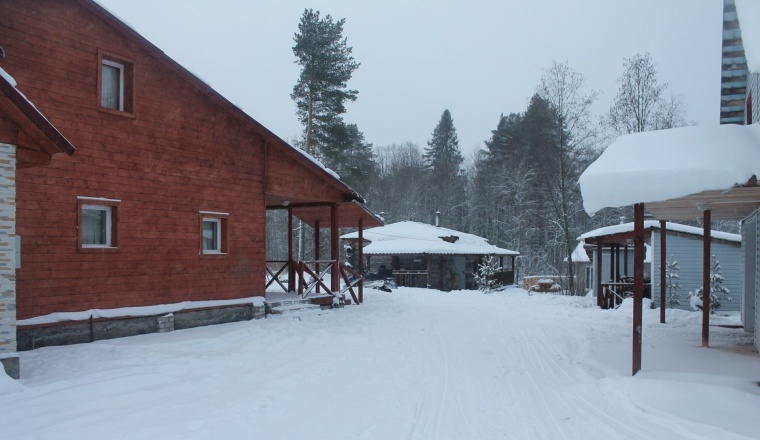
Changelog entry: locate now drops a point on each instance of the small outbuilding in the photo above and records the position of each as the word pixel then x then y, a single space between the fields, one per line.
pixel 684 244
pixel 421 255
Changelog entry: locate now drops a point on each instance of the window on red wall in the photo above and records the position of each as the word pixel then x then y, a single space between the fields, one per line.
pixel 98 223
pixel 116 91
pixel 213 228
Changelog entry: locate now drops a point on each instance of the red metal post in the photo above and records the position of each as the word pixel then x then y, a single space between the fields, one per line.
pixel 663 257
pixel 598 272
pixel 334 249
pixel 316 250
pixel 291 266
pixel 638 284
pixel 360 259
pixel 706 219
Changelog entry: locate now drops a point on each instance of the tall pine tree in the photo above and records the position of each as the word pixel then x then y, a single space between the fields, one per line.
pixel 326 67
pixel 444 160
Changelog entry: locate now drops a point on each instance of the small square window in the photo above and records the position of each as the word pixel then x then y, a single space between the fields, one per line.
pixel 213 233
pixel 97 223
pixel 116 85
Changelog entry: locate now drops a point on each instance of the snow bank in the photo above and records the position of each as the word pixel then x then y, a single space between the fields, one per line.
pixel 413 363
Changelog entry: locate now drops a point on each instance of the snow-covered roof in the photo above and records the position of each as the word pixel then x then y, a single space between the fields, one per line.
pixel 666 164
pixel 653 224
pixel 420 238
pixel 748 12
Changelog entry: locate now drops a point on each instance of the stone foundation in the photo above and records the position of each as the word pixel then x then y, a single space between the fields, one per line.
pixel 77 332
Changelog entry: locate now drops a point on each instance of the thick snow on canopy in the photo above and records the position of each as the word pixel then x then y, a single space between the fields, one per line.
pixel 748 12
pixel 579 255
pixel 661 165
pixel 674 227
pixel 420 238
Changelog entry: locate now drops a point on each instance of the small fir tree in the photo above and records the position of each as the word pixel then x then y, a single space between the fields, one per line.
pixel 484 275
pixel 717 289
pixel 672 284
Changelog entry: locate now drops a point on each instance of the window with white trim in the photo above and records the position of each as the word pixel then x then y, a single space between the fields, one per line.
pixel 213 233
pixel 116 89
pixel 112 85
pixel 212 236
pixel 97 226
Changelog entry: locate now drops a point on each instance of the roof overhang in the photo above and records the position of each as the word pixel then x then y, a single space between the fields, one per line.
pixel 348 214
pixel 732 204
pixel 36 138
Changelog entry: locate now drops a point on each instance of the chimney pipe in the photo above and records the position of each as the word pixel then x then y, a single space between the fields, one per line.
pixel 438 218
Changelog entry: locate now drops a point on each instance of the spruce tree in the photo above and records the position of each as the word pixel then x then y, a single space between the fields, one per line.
pixel 326 67
pixel 672 284
pixel 717 290
pixel 447 182
pixel 442 153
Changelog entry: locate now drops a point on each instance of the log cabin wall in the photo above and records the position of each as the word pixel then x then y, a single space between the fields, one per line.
pixel 172 153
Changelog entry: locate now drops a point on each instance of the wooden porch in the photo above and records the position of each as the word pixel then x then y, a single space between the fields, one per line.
pixel 319 277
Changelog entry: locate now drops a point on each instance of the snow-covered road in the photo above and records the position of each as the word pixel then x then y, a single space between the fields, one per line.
pixel 412 364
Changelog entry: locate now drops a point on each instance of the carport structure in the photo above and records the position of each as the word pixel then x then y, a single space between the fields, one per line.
pixel 699 173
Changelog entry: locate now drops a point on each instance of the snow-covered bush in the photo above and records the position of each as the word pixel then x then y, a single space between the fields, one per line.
pixel 484 276
pixel 717 289
pixel 672 284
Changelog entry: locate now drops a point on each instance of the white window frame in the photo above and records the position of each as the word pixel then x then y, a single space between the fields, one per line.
pixel 109 222
pixel 121 68
pixel 217 230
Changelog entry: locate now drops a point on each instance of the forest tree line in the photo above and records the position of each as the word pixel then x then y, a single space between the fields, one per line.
pixel 519 189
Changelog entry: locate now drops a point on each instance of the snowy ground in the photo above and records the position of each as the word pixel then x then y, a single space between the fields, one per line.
pixel 414 364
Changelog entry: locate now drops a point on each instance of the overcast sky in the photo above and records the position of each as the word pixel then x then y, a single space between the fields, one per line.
pixel 478 58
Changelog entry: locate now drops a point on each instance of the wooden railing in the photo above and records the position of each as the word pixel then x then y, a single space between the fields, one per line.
pixel 613 293
pixel 316 270
pixel 503 277
pixel 411 278
pixel 276 271
pixel 352 279
pixel 314 276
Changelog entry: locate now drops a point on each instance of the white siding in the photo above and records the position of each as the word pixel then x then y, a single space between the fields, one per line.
pixel 688 251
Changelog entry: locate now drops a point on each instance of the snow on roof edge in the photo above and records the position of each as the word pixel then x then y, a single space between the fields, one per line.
pixel 655 224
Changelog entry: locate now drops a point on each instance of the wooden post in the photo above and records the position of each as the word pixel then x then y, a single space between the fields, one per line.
pixel 638 284
pixel 598 272
pixel 706 219
pixel 316 250
pixel 625 261
pixel 615 272
pixel 334 249
pixel 440 272
pixel 360 259
pixel 663 257
pixel 291 265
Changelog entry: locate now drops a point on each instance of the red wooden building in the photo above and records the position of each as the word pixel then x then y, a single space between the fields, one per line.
pixel 165 199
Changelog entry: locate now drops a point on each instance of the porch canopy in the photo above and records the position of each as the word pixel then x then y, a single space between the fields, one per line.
pixel 686 173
